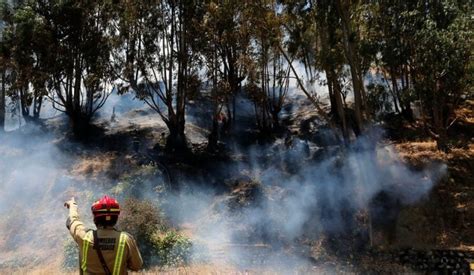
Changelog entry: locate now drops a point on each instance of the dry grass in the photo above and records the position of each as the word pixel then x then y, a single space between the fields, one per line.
pixel 421 152
pixel 53 267
pixel 93 166
pixel 108 165
pixel 449 211
pixel 466 113
pixel 197 269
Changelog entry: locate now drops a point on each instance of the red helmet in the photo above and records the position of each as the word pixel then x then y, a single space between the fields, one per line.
pixel 106 206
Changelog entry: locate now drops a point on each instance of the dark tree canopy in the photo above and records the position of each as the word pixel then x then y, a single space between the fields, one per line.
pixel 73 54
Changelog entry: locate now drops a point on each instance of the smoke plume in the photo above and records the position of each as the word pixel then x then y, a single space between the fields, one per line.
pixel 278 194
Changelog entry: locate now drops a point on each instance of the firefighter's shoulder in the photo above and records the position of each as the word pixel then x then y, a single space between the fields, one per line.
pixel 130 241
pixel 128 236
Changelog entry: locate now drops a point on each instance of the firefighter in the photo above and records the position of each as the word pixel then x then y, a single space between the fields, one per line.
pixel 105 250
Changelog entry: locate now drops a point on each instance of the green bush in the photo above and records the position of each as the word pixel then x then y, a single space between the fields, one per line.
pixel 142 219
pixel 172 248
pixel 158 243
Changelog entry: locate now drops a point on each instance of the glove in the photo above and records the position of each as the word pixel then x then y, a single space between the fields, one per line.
pixel 68 203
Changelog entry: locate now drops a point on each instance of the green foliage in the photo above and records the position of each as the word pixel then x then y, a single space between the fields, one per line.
pixel 58 49
pixel 141 218
pixel 442 56
pixel 378 99
pixel 441 64
pixel 425 49
pixel 71 255
pixel 159 244
pixel 72 51
pixel 172 248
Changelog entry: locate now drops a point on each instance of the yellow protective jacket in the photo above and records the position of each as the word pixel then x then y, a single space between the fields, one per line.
pixel 119 249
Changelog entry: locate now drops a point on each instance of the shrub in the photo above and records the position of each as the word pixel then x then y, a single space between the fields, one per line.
pixel 142 219
pixel 158 243
pixel 172 248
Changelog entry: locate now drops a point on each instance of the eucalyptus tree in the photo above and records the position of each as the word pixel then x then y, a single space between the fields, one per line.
pixel 29 49
pixel 325 35
pixel 331 61
pixel 423 47
pixel 425 50
pixel 70 56
pixel 269 73
pixel 443 67
pixel 225 42
pixel 315 40
pixel 158 59
pixel 391 33
pixel 24 58
pixel 346 11
pixel 5 18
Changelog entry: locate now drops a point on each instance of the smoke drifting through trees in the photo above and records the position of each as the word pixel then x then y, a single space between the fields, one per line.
pixel 73 53
pixel 292 193
pixel 163 54
pixel 296 192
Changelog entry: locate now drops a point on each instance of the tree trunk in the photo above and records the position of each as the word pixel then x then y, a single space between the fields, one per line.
pixel 25 107
pixel 407 112
pixel 354 64
pixel 80 125
pixel 77 86
pixel 176 140
pixel 395 90
pixel 38 101
pixel 339 104
pixel 308 95
pixel 275 119
pixel 441 132
pixel 332 100
pixel 2 103
pixel 234 110
pixel 213 136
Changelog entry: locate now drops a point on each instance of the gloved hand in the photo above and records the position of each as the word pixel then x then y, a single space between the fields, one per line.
pixel 68 203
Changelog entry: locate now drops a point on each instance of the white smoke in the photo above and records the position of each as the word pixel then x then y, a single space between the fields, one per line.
pixel 298 190
pixel 298 193
pixel 35 180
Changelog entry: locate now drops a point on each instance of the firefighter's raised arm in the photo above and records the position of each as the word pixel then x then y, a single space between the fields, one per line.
pixel 105 250
pixel 73 223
